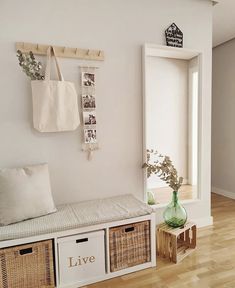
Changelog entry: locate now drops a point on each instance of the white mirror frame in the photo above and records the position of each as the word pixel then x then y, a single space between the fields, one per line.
pixel 151 50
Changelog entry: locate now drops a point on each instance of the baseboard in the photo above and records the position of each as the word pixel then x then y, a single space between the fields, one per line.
pixel 223 192
pixel 203 222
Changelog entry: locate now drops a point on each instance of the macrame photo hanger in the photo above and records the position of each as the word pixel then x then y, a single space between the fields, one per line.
pixel 89 115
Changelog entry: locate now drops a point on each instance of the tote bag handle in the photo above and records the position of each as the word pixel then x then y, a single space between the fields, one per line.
pixel 51 51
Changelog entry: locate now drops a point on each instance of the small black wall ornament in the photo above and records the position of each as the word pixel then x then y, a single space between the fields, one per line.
pixel 174 36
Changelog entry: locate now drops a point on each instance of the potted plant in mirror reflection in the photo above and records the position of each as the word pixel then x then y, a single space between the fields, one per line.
pixel 175 214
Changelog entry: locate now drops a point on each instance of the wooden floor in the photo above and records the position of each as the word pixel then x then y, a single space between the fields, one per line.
pixel 212 265
pixel 163 195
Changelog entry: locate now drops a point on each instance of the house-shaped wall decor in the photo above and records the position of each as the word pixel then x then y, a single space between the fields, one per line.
pixel 174 36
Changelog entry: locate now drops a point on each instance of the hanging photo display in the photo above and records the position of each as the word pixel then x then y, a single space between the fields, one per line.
pixel 89 118
pixel 88 79
pixel 90 135
pixel 88 99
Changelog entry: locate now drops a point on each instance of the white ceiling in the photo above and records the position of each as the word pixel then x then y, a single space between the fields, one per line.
pixel 223 21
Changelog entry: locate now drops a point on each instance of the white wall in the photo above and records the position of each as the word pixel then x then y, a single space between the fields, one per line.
pixel 120 28
pixel 223 120
pixel 167 112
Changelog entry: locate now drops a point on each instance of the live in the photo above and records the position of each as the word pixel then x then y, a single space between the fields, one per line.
pixel 80 261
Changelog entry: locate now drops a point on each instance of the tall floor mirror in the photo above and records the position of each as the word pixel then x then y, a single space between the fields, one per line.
pixel 172 116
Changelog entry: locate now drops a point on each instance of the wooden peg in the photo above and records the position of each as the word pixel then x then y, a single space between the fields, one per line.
pixel 62 51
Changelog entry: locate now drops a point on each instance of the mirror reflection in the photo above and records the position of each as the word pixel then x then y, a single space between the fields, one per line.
pixel 171 121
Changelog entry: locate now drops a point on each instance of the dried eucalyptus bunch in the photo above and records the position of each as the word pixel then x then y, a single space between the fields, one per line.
pixel 30 66
pixel 163 167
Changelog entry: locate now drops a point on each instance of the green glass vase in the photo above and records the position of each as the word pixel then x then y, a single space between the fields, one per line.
pixel 175 214
pixel 150 197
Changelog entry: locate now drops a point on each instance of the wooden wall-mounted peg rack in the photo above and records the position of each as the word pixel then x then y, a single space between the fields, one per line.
pixel 67 52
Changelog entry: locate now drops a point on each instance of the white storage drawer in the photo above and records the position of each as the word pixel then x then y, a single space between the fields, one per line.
pixel 81 257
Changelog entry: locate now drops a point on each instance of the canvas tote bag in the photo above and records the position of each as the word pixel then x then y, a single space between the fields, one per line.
pixel 55 104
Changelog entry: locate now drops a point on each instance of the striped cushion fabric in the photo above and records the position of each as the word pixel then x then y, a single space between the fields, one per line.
pixel 72 216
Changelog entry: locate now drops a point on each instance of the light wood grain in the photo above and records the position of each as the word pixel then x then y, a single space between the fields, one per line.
pixel 67 52
pixel 163 195
pixel 212 265
pixel 176 243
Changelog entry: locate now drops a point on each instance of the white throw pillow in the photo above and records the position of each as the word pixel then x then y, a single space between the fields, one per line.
pixel 25 193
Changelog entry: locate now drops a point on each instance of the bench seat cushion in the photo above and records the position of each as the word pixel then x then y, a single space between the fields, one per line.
pixel 72 216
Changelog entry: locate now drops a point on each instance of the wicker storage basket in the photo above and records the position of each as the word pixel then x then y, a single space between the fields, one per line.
pixel 27 266
pixel 129 245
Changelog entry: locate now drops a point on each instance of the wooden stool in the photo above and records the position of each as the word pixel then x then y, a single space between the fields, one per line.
pixel 176 243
